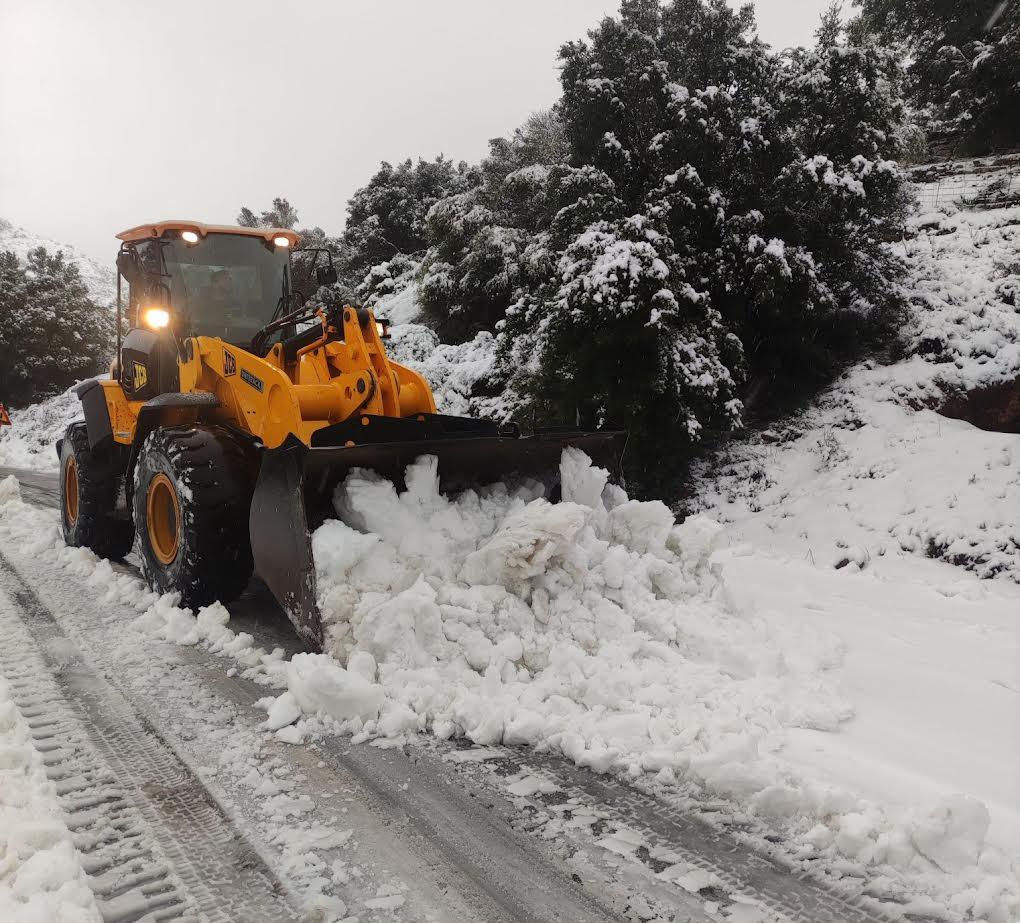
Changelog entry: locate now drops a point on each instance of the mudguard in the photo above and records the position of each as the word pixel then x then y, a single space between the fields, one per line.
pixel 97 414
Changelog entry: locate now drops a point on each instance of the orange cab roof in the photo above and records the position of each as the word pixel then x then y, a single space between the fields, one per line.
pixel 159 228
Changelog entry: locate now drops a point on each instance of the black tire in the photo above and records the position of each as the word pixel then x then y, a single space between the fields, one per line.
pixel 211 474
pixel 91 488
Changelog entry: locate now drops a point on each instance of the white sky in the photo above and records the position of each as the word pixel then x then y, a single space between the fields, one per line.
pixel 117 112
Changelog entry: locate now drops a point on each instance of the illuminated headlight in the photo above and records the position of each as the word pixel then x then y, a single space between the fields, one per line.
pixel 155 318
pixel 382 327
pixel 189 237
pixel 281 241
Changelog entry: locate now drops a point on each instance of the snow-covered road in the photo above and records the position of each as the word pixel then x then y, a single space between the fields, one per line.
pixel 228 821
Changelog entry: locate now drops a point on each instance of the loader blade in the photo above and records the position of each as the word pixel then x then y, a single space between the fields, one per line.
pixel 293 496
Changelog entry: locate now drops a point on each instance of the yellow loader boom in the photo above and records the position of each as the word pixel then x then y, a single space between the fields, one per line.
pixel 234 409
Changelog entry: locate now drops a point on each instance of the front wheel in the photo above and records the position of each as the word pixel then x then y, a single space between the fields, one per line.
pixel 90 490
pixel 192 497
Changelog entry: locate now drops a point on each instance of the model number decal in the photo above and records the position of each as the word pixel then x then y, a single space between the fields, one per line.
pixel 256 383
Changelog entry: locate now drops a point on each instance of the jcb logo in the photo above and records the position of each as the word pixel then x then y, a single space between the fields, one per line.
pixel 141 376
pixel 229 363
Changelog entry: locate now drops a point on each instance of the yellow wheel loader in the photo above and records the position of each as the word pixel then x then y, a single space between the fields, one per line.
pixel 234 408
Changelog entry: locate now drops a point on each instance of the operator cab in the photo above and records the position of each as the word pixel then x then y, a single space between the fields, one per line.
pixel 206 280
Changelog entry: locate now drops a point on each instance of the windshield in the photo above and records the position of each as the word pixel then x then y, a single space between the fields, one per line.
pixel 226 285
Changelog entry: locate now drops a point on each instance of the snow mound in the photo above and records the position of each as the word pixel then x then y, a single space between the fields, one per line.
pixel 595 626
pixel 701 669
pixel 30 439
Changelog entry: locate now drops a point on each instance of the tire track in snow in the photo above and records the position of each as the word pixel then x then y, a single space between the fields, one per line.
pixel 155 844
pixel 472 864
pixel 648 830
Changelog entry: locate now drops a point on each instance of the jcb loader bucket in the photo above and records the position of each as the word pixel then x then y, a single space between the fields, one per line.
pixel 293 495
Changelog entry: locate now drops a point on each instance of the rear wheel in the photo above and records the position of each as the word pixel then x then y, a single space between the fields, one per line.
pixel 91 485
pixel 192 497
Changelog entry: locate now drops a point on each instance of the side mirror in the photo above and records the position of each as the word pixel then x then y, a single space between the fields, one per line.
pixel 325 275
pixel 129 266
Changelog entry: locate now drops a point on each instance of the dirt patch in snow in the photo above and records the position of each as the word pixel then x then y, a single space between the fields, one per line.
pixel 995 408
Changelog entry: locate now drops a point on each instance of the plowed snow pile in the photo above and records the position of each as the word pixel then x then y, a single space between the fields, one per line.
pixel 593 626
pixel 598 628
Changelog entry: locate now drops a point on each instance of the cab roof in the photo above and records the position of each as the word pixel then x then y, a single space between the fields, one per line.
pixel 159 228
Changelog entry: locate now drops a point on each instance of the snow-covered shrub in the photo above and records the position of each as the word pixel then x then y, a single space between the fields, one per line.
pixel 386 217
pixel 472 269
pixel 52 333
pixel 389 278
pixel 460 375
pixel 487 243
pixel 719 215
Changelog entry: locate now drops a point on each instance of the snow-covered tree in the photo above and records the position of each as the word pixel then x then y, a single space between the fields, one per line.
pixel 964 65
pixel 51 333
pixel 284 215
pixel 386 217
pixel 483 240
pixel 281 215
pixel 708 210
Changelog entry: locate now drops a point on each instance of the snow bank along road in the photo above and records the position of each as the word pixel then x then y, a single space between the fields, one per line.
pixel 182 803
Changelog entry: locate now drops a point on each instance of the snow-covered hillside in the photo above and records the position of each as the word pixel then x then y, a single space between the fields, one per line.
pixel 30 439
pixel 873 472
pixel 100 278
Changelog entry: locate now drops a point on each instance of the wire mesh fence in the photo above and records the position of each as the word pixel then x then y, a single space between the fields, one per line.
pixel 989 182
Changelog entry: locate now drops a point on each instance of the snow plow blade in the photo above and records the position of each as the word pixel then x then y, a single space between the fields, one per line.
pixel 293 495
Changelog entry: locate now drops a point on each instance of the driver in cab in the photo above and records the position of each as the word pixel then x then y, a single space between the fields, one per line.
pixel 222 301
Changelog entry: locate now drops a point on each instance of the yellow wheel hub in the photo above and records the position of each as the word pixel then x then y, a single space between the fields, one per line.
pixel 163 518
pixel 71 492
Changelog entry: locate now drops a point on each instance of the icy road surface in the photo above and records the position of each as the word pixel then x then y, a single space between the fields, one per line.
pixel 332 830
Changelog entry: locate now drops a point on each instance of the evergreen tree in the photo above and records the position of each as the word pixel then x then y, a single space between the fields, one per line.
pixel 964 65
pixel 284 215
pixel 488 241
pixel 51 333
pixel 386 217
pixel 717 212
pixel 281 215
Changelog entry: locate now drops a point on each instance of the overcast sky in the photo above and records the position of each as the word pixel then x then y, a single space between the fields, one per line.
pixel 117 112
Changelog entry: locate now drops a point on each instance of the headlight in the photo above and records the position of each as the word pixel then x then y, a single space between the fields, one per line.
pixel 189 237
pixel 155 318
pixel 281 241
